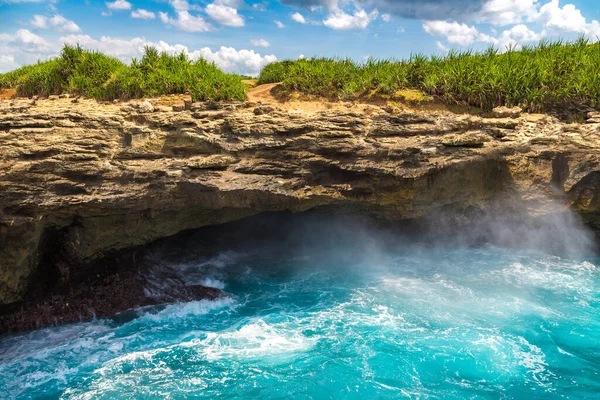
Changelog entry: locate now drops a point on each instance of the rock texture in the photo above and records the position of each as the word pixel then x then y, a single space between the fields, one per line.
pixel 80 180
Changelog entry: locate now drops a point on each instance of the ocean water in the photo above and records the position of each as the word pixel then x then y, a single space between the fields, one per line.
pixel 413 320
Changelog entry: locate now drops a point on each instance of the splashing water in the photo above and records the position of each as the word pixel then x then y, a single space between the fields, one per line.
pixel 419 322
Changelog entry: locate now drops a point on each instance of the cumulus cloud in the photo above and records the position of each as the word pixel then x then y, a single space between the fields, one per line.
pixel 25 47
pixel 298 18
pixel 507 12
pixel 568 18
pixel 515 37
pixel 441 47
pixel 119 5
pixel 7 62
pixel 464 35
pixel 339 20
pixel 260 43
pixel 224 14
pixel 279 24
pixel 57 23
pixel 386 17
pixel 186 21
pixel 143 14
pixel 554 20
pixel 245 62
pixel 454 32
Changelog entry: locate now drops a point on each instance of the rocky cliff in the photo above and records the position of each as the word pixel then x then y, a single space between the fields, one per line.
pixel 80 180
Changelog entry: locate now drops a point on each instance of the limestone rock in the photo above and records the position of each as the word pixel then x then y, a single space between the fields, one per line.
pixel 145 107
pixel 81 180
pixel 261 110
pixel 505 112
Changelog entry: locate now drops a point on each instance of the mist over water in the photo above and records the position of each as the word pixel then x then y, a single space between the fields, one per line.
pixel 335 307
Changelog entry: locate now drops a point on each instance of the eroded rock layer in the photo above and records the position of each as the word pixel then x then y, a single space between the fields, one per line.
pixel 79 180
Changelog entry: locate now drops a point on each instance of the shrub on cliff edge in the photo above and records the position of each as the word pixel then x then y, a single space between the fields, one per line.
pixel 93 74
pixel 544 77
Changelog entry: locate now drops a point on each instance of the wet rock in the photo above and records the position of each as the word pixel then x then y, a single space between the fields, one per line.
pixel 102 295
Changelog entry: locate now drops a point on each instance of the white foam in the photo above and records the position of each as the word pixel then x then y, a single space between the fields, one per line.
pixel 194 308
pixel 254 340
pixel 213 283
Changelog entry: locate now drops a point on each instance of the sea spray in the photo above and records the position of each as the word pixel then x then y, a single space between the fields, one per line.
pixel 336 308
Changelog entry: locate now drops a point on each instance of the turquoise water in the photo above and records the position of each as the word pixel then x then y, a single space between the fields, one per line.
pixel 417 321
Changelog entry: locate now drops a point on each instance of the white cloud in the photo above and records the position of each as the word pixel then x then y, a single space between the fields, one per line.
pixel 181 5
pixel 119 5
pixel 279 24
pixel 454 32
pixel 465 35
pixel 507 12
pixel 143 14
pixel 106 13
pixel 260 43
pixel 339 20
pixel 554 18
pixel 246 62
pixel 186 21
pixel 7 62
pixel 565 19
pixel 298 18
pixel 224 14
pixel 515 37
pixel 386 17
pixel 57 23
pixel 441 47
pixel 25 47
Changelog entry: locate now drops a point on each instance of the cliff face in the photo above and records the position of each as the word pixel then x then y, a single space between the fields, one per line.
pixel 80 180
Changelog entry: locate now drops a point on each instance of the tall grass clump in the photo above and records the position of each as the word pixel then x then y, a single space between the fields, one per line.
pixel 160 73
pixel 93 74
pixel 543 77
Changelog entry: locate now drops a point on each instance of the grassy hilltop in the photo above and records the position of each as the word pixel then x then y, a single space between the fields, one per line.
pixel 548 76
pixel 96 75
pixel 544 77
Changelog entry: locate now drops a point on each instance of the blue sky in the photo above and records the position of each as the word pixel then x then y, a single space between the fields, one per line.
pixel 243 35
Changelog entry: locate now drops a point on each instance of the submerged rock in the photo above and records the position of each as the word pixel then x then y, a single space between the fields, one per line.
pixel 99 296
pixel 79 181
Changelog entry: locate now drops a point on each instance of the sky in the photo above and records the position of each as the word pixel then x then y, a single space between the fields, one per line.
pixel 242 36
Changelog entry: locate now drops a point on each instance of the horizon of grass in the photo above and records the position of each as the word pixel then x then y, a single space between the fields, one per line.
pixel 538 78
pixel 95 75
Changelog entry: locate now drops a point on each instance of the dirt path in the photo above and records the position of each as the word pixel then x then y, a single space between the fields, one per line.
pixel 262 93
pixel 7 93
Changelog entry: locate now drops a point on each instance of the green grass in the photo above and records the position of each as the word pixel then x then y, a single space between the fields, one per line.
pixel 538 78
pixel 95 75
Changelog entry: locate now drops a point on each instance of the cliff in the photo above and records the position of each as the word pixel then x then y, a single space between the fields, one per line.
pixel 80 180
